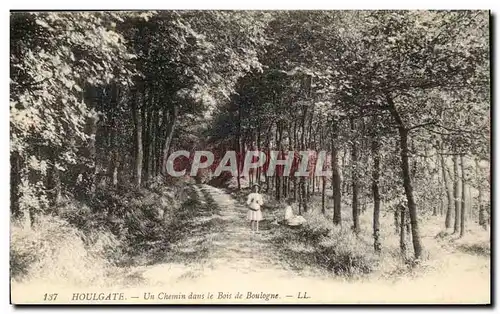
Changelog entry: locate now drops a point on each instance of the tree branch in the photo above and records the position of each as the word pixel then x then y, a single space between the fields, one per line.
pixel 422 125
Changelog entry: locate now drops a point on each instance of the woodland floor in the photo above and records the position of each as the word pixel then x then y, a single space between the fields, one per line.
pixel 219 250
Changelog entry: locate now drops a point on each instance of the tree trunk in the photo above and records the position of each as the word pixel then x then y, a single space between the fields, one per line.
pixel 15 181
pixel 150 143
pixel 303 193
pixel 355 185
pixel 168 139
pixel 302 179
pixel 278 174
pixel 323 195
pixel 114 155
pixel 308 188
pixel 313 184
pixel 482 216
pixel 376 195
pixel 137 117
pixel 412 207
pixel 90 173
pixel 145 114
pixel 238 161
pixel 449 192
pixel 158 143
pixel 336 182
pixel 154 135
pixel 462 214
pixel 345 185
pixel 456 194
pixel 442 191
pixel 402 234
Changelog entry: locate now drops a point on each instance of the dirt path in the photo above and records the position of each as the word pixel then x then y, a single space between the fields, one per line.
pixel 242 260
pixel 221 257
pixel 235 251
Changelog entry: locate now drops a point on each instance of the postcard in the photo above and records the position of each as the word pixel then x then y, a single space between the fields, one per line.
pixel 250 157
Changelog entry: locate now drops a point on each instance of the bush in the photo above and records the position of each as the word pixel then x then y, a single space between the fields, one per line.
pixel 343 253
pixel 316 227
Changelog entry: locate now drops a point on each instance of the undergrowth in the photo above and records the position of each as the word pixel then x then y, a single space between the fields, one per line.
pixel 318 242
pixel 81 242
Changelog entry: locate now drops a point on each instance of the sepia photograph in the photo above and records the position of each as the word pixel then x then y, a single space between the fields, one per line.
pixel 208 157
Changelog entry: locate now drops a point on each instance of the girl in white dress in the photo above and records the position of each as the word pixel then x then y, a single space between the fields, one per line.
pixel 254 202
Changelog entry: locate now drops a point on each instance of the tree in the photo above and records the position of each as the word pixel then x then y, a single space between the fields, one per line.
pixel 56 59
pixel 376 195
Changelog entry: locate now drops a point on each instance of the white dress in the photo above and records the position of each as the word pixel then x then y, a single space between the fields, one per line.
pixel 296 221
pixel 288 213
pixel 254 202
pixel 291 219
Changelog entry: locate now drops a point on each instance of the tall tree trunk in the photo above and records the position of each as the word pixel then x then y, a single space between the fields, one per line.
pixel 462 214
pixel 482 216
pixel 303 193
pixel 313 184
pixel 137 117
pixel 90 172
pixel 150 143
pixel 168 139
pixel 449 193
pixel 154 135
pixel 402 234
pixel 442 188
pixel 308 188
pixel 15 181
pixel 145 114
pixel 376 195
pixel 456 194
pixel 323 195
pixel 114 155
pixel 279 135
pixel 344 182
pixel 302 179
pixel 336 182
pixel 160 126
pixel 396 220
pixel 238 170
pixel 288 186
pixel 355 185
pixel 412 207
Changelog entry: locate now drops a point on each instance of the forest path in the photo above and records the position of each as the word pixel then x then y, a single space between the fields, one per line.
pixel 239 260
pixel 234 253
pixel 220 256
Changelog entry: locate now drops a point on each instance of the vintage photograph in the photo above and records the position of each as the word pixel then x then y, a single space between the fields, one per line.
pixel 250 157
